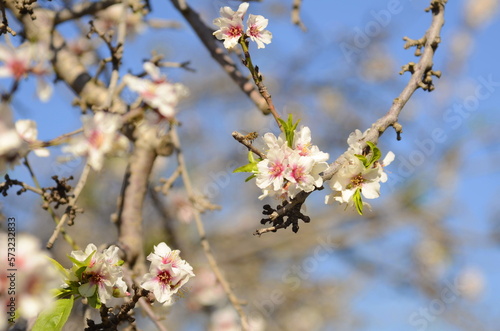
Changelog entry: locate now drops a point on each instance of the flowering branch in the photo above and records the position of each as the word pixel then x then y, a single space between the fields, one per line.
pixel 218 54
pixel 421 78
pixel 419 75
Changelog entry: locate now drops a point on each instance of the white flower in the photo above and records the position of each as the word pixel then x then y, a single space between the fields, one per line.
pixel 28 132
pixel 354 141
pixel 167 273
pixel 302 143
pixel 12 146
pixel 354 175
pixel 16 61
pixel 303 173
pixel 102 276
pixel 17 139
pixel 230 25
pixel 34 279
pixel 157 93
pixel 255 30
pixel 100 134
pixel 25 59
pixel 272 169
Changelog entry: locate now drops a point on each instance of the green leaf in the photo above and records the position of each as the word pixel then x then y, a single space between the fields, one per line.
pixel 250 177
pixel 363 159
pixel 84 263
pixel 375 153
pixel 59 267
pixel 358 201
pixel 54 318
pixel 94 301
pixel 250 167
pixel 289 129
pixel 251 159
pixel 79 272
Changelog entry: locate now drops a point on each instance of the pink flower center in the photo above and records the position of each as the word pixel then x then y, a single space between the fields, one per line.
pixel 254 31
pixel 276 169
pixel 303 150
pixel 96 138
pixel 165 278
pixel 298 173
pixel 234 31
pixel 18 68
pixel 94 277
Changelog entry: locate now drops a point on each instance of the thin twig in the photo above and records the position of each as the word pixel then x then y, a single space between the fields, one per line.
pixel 58 140
pixel 296 15
pixel 117 54
pixel 243 140
pixel 203 236
pixel 76 193
pixel 82 9
pixel 257 78
pixel 167 183
pixel 51 211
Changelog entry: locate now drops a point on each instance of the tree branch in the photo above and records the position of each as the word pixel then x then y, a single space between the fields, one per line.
pixel 204 32
pixel 421 72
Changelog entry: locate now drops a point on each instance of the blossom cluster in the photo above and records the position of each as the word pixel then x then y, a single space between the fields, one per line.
pixel 292 164
pixel 157 92
pixel 231 27
pixel 361 174
pixel 167 273
pixel 96 275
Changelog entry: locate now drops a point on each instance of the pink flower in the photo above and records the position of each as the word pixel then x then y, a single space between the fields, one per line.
pixel 230 25
pixel 256 30
pixel 157 92
pixel 27 59
pixel 102 276
pixel 100 136
pixel 167 273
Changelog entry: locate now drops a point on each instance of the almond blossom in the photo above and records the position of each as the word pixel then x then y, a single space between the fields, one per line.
pixel 16 140
pixel 167 273
pixel 256 30
pixel 27 59
pixel 286 170
pixel 100 137
pixel 359 176
pixel 231 27
pixel 101 278
pixel 28 132
pixel 157 92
